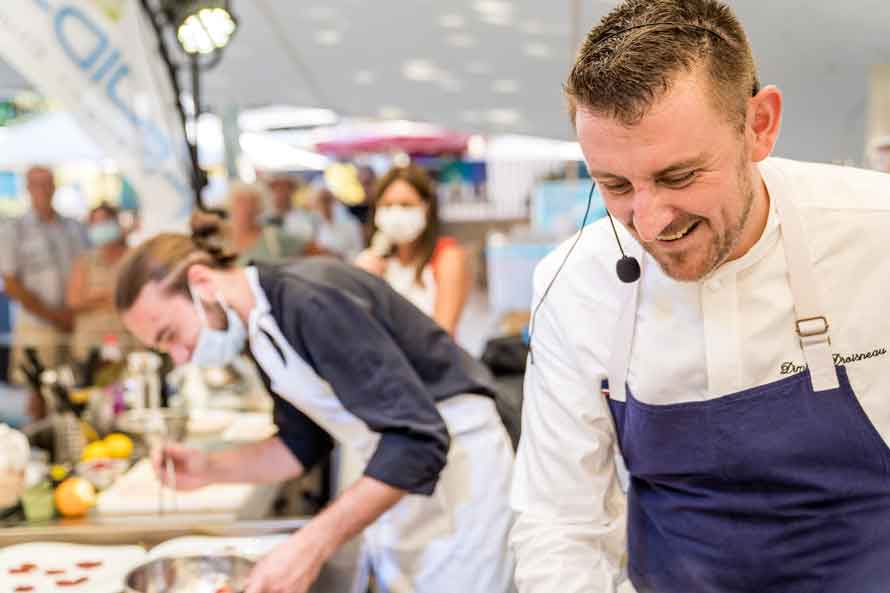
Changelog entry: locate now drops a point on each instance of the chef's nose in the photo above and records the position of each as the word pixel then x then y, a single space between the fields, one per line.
pixel 650 214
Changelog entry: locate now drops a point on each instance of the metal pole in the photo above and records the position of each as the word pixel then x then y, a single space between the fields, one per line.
pixel 199 179
pixel 156 19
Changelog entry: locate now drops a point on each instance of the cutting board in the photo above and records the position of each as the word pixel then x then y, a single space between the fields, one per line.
pixel 66 568
pixel 137 491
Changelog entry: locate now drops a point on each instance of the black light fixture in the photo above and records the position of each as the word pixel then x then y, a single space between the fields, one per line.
pixel 202 28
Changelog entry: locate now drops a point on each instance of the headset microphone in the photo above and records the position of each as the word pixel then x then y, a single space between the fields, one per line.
pixel 627 268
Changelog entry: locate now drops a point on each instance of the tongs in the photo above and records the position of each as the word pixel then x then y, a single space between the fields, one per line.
pixel 157 428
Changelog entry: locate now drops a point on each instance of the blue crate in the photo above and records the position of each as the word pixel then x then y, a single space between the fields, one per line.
pixel 510 268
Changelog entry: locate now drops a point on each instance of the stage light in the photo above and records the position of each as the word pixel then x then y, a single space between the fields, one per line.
pixel 203 26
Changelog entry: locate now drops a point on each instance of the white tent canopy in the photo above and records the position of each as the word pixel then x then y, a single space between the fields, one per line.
pixel 496 66
pixel 53 138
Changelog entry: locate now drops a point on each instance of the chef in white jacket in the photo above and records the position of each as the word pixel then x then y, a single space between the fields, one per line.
pixel 742 375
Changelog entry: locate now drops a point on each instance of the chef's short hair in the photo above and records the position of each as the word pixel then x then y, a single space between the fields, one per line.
pixel 631 59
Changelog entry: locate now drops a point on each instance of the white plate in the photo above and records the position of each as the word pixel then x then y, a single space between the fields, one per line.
pixel 204 422
pixel 251 548
pixel 253 426
pixel 117 561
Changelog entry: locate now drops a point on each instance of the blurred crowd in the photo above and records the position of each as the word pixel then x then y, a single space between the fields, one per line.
pixel 60 272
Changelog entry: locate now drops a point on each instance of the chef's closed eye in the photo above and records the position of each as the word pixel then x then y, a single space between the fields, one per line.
pixel 617 188
pixel 680 180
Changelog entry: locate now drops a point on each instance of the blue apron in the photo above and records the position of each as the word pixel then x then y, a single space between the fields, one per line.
pixel 783 487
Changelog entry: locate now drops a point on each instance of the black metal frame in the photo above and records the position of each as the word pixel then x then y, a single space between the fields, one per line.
pixel 161 16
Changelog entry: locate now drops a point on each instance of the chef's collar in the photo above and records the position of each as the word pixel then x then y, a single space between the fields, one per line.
pixel 261 307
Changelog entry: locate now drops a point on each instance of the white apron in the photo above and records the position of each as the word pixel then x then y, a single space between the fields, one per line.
pixel 452 541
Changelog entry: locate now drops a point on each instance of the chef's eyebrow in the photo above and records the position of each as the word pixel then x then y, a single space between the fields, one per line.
pixel 690 163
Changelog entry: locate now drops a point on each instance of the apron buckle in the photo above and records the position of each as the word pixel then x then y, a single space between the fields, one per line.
pixel 812 327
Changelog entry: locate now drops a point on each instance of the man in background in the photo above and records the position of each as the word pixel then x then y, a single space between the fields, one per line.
pixel 339 232
pixel 296 221
pixel 37 251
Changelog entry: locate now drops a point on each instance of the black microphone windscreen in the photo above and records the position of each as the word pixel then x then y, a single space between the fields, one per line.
pixel 628 269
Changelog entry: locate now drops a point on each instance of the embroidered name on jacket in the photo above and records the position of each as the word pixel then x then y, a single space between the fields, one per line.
pixel 790 368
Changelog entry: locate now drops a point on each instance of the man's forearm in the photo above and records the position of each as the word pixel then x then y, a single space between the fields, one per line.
pixel 359 506
pixel 27 299
pixel 86 304
pixel 262 462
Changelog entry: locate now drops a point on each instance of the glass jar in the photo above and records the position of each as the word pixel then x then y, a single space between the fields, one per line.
pixel 14 455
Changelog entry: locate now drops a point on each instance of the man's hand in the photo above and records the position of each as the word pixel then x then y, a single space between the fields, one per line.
pixel 370 262
pixel 192 467
pixel 62 320
pixel 294 565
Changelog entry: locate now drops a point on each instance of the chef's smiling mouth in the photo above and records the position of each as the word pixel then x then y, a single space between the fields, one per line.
pixel 680 233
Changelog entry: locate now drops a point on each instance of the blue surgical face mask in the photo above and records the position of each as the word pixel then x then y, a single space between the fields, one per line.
pixel 218 347
pixel 105 232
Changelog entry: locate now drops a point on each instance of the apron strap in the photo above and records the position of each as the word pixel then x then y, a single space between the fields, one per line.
pixel 811 324
pixel 622 341
pixel 619 361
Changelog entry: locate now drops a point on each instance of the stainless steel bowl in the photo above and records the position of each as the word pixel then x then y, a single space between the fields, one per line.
pixel 190 574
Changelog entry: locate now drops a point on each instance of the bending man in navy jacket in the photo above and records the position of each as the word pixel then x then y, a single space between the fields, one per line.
pixel 346 359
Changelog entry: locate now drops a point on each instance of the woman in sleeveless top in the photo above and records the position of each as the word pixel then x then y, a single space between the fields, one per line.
pixel 407 250
pixel 92 282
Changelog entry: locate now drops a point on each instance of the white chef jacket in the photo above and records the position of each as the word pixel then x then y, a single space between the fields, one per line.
pixel 693 341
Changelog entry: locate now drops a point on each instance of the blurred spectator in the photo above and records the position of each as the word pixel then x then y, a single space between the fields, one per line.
pixel 362 212
pixel 250 239
pixel 92 282
pixel 37 252
pixel 339 232
pixel 429 270
pixel 295 220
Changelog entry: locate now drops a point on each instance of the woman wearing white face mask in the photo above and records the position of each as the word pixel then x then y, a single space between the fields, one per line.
pixel 346 359
pixel 431 271
pixel 91 284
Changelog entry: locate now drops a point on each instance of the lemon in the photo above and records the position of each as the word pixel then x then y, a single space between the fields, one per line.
pixel 74 497
pixel 97 450
pixel 119 446
pixel 58 472
pixel 80 396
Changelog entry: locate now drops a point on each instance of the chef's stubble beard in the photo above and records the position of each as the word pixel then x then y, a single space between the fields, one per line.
pixel 722 246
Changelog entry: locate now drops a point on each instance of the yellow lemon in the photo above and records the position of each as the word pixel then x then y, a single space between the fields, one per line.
pixel 80 396
pixel 58 472
pixel 74 497
pixel 97 450
pixel 119 446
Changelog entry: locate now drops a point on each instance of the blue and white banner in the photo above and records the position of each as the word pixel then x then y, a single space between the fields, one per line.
pixel 98 59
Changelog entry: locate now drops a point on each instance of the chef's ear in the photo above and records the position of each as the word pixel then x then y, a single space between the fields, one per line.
pixel 202 281
pixel 764 122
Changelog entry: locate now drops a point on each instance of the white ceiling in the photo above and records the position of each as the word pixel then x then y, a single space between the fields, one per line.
pixel 497 66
